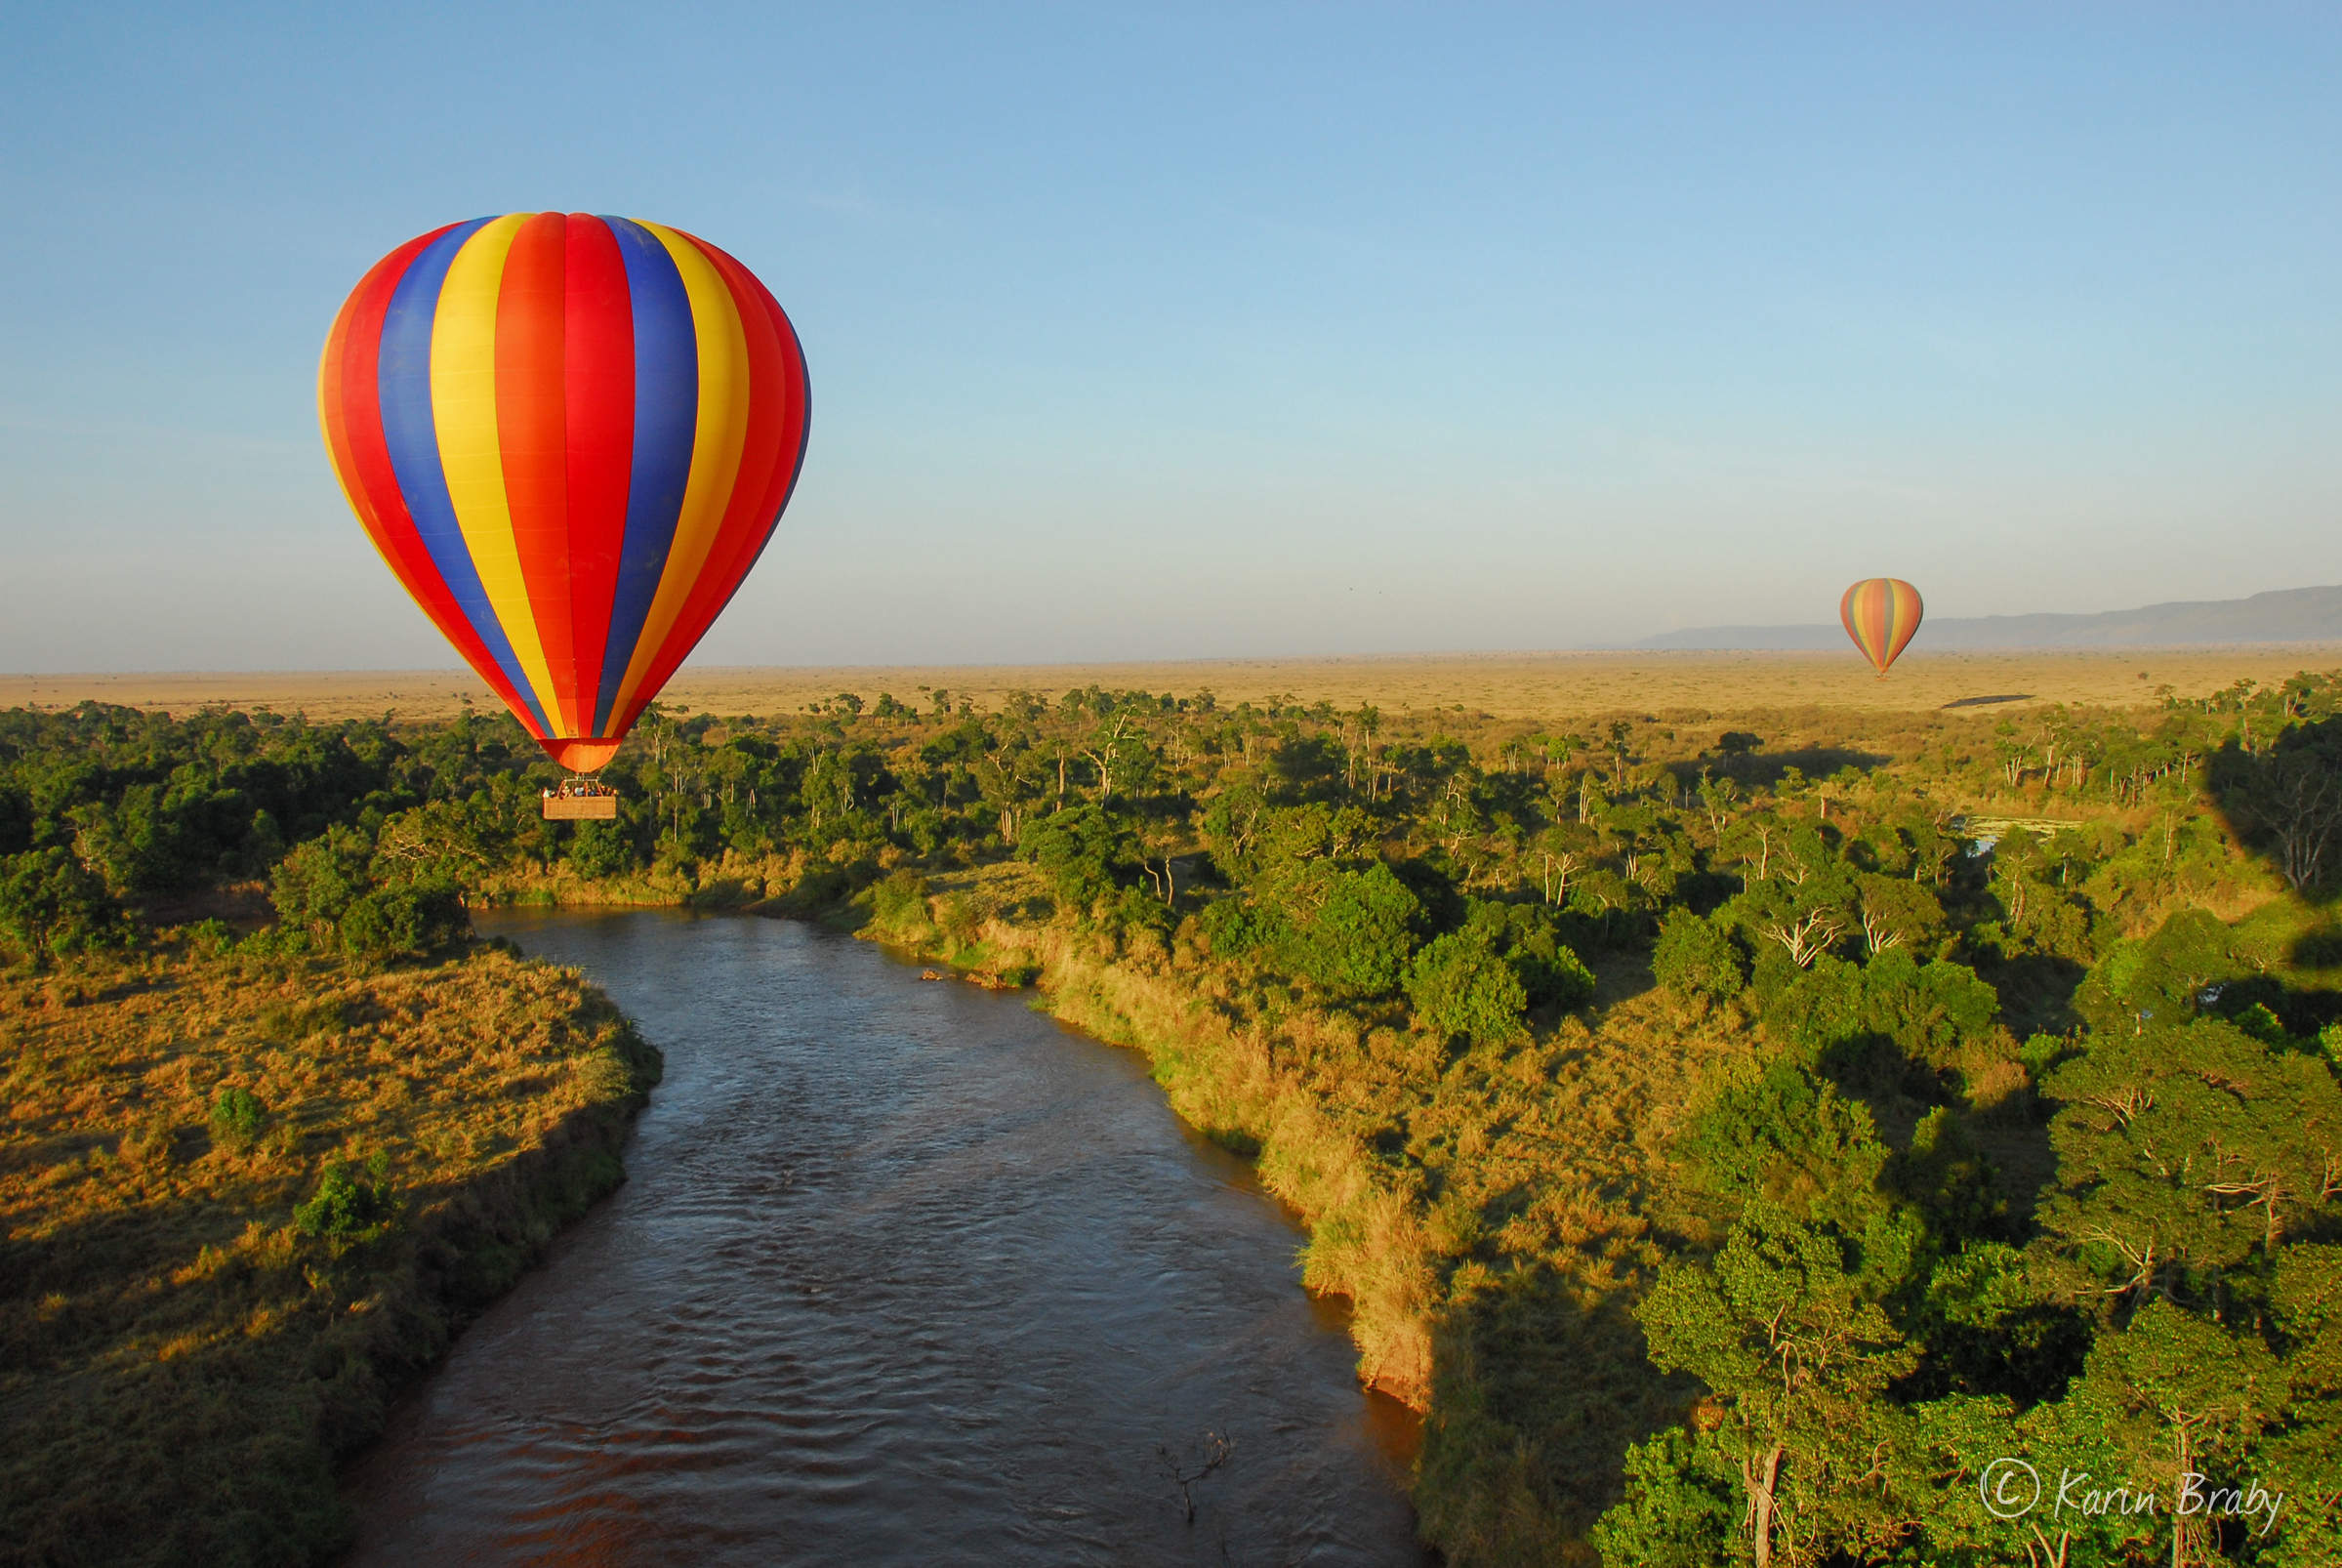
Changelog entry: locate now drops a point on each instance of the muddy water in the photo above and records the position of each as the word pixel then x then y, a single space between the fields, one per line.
pixel 905 1273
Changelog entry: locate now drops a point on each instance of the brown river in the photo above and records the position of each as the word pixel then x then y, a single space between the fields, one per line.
pixel 903 1273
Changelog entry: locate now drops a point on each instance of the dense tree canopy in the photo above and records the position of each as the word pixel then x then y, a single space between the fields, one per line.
pixel 2014 1039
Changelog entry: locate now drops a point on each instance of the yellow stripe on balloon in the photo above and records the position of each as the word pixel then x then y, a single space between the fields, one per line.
pixel 463 405
pixel 717 440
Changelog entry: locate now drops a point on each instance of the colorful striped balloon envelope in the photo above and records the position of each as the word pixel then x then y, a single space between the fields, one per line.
pixel 570 437
pixel 1880 614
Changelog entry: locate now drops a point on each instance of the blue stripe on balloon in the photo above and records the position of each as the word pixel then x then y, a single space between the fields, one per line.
pixel 412 435
pixel 665 416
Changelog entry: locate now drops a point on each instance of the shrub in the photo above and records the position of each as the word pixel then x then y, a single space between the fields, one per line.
pixel 1528 938
pixel 900 901
pixel 1132 910
pixel 344 1206
pixel 1234 927
pixel 1694 959
pixel 404 921
pixel 48 902
pixel 1460 986
pixel 314 884
pixel 1358 941
pixel 1083 849
pixel 237 1118
pixel 209 938
pixel 601 849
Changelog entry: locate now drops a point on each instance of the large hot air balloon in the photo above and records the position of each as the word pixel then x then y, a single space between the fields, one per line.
pixel 570 437
pixel 1880 614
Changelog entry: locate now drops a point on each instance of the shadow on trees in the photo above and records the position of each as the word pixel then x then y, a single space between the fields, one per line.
pixel 1543 1382
pixel 1753 769
pixel 2282 801
pixel 2037 991
pixel 2321 949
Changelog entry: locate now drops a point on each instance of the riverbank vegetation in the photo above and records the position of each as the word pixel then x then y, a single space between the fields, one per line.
pixel 249 1187
pixel 1735 1130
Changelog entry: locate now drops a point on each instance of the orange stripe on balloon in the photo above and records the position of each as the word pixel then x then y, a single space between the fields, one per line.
pixel 532 441
pixel 1881 614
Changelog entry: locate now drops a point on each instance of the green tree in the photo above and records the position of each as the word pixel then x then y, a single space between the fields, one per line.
pixel 1678 1509
pixel 1788 1329
pixel 1460 986
pixel 320 879
pixel 1086 850
pixel 1528 937
pixel 1353 931
pixel 1692 959
pixel 1896 912
pixel 414 921
pixel 50 903
pixel 2184 1152
pixel 2162 980
pixel 1787 1138
pixel 2181 1395
pixel 2302 1453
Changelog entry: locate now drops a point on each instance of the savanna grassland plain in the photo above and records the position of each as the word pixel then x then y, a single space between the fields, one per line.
pixel 1736 1094
pixel 1504 686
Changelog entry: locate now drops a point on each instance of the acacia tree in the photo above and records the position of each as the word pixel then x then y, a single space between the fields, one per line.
pixel 2301 1452
pixel 1788 1329
pixel 2183 1152
pixel 1804 918
pixel 2188 1157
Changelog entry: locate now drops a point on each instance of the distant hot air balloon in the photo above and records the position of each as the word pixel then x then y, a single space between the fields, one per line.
pixel 570 437
pixel 1880 614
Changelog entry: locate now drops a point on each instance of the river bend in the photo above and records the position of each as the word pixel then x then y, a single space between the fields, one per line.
pixel 904 1273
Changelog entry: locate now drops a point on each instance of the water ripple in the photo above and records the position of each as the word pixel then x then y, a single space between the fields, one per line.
pixel 904 1274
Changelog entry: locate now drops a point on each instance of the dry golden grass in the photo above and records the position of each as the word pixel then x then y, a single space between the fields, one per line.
pixel 179 1364
pixel 1511 686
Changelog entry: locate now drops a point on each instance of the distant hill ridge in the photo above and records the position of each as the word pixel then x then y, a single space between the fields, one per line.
pixel 2282 615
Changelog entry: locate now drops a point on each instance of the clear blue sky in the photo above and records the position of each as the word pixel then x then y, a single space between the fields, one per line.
pixel 1187 331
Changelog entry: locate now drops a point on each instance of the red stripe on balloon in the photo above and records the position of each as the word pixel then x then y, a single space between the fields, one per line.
pixel 770 455
pixel 794 432
pixel 789 459
pixel 352 405
pixel 598 349
pixel 532 441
